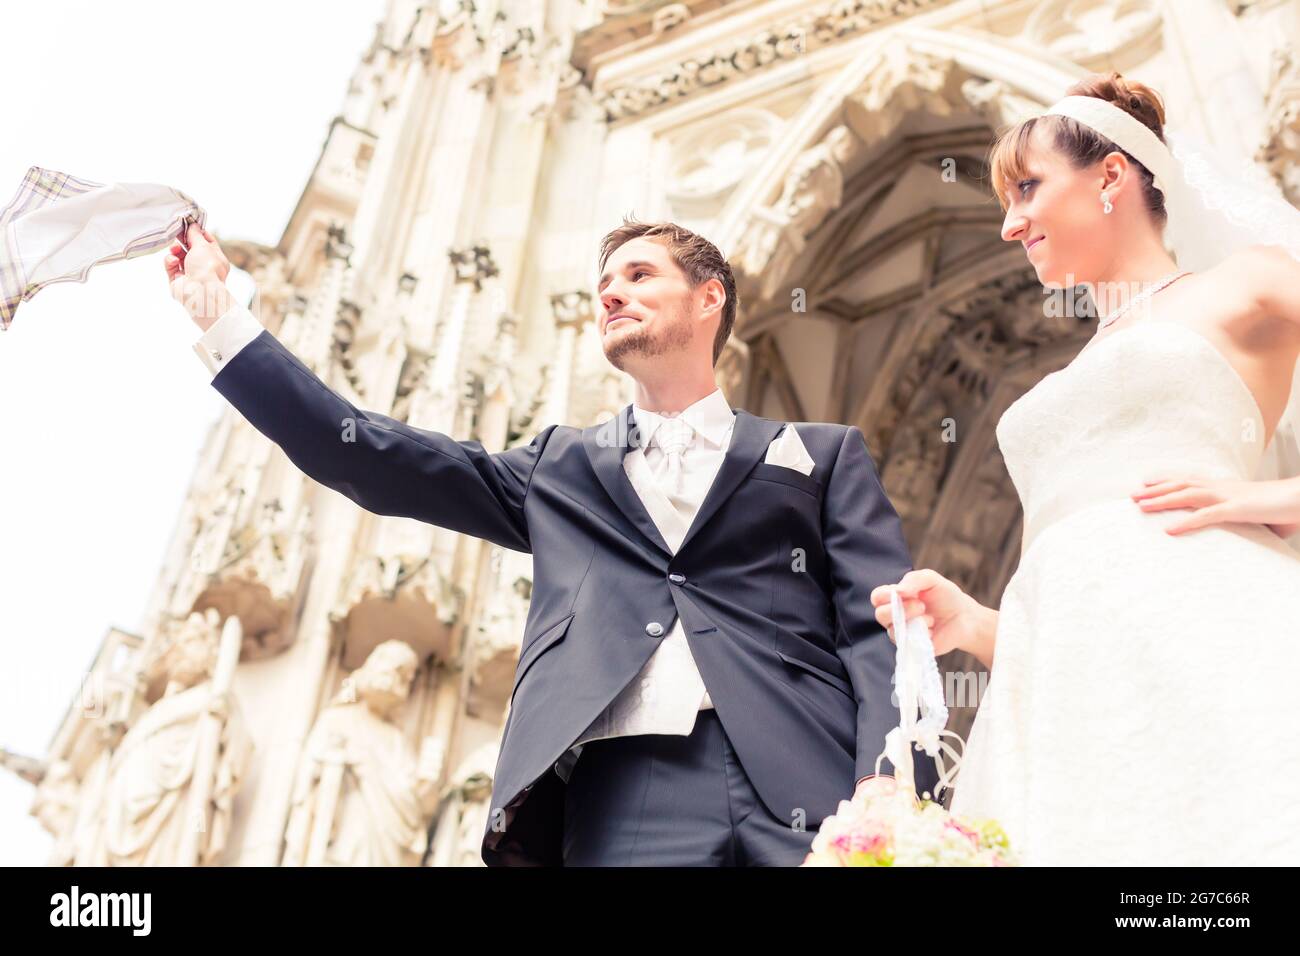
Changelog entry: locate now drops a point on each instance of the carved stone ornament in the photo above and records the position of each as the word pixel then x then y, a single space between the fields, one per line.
pixel 816 26
pixel 1279 150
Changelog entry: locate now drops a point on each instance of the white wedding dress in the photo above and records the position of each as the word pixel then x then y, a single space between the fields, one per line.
pixel 1142 703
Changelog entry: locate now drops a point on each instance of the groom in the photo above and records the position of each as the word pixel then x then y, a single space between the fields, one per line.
pixel 701 677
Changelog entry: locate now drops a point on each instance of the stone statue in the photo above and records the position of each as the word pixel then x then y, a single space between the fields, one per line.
pixel 474 786
pixel 67 805
pixel 172 780
pixel 464 815
pixel 362 797
pixel 55 805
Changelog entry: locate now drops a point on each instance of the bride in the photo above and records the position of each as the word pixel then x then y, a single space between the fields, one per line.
pixel 1147 648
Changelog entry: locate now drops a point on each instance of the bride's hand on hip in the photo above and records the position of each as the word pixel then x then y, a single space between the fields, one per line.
pixel 952 615
pixel 1275 503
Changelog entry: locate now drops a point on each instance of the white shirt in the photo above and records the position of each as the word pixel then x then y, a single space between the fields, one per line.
pixel 226 336
pixel 668 692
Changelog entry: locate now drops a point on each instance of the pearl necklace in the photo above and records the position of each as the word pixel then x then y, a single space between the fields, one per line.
pixel 1141 297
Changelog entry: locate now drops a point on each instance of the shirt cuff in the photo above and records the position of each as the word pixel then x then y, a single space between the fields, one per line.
pixel 226 336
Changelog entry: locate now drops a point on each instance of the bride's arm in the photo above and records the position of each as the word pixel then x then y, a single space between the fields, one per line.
pixel 984 641
pixel 957 622
pixel 1271 276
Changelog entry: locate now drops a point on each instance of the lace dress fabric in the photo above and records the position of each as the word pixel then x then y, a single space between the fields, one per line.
pixel 1140 706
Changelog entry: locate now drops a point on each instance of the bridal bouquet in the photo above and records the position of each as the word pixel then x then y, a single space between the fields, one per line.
pixel 884 824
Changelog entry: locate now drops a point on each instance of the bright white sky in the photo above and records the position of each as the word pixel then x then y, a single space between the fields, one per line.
pixel 103 405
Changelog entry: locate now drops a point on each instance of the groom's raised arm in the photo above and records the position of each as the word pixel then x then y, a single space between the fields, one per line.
pixel 865 548
pixel 384 465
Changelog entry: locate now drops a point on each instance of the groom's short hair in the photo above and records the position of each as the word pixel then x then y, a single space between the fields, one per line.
pixel 698 259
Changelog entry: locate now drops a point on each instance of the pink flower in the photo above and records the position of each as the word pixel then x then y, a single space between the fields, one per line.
pixel 967 832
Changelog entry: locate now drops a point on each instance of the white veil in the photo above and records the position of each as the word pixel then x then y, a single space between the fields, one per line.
pixel 1215 208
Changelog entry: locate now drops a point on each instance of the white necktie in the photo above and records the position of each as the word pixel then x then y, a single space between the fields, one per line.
pixel 673 436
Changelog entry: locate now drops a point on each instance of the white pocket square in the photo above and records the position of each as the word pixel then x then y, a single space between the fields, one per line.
pixel 787 451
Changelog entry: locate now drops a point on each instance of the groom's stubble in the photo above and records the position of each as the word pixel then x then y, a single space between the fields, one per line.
pixel 661 339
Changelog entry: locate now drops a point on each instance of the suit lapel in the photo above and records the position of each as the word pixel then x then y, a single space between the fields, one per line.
pixel 607 443
pixel 750 437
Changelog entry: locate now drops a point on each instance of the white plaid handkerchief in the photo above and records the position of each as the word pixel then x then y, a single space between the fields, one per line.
pixel 58 226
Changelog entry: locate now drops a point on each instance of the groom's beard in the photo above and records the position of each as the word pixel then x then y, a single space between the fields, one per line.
pixel 639 340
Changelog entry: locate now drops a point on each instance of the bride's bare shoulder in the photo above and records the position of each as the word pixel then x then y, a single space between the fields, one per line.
pixel 1263 269
pixel 1264 279
pixel 1266 259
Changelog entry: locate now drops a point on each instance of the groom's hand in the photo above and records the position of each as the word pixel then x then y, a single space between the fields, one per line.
pixel 197 276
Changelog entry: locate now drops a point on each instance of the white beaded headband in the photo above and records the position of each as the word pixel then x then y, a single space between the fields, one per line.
pixel 1122 129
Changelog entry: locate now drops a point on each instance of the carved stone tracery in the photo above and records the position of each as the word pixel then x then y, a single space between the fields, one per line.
pixel 1279 148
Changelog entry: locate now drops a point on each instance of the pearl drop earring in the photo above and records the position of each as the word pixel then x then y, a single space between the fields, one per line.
pixel 1106 207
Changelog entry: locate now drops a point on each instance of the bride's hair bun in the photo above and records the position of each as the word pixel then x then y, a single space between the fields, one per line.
pixel 1137 99
pixel 1082 145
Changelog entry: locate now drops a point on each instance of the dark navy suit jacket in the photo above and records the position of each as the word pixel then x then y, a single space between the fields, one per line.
pixel 772 583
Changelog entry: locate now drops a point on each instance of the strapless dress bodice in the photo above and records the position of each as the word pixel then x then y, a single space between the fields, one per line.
pixel 1153 399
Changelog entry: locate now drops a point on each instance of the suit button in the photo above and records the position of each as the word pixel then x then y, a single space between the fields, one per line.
pixel 677 578
pixel 654 628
